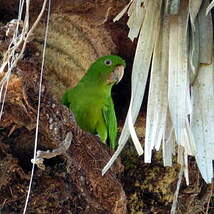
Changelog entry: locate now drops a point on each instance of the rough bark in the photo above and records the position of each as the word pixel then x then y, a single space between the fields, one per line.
pixel 71 182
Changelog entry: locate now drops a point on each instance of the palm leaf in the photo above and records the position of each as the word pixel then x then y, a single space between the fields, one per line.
pixel 179 36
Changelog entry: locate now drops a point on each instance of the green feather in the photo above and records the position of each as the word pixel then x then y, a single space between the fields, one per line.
pixel 111 121
pixel 91 101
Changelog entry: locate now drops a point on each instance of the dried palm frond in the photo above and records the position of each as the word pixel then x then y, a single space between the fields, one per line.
pixel 176 37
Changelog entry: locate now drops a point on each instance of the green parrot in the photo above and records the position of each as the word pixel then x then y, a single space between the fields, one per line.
pixel 91 100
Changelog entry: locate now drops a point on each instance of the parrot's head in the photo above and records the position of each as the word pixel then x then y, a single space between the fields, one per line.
pixel 108 69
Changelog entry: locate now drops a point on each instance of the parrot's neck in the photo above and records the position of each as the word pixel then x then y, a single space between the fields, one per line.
pixel 92 82
pixel 94 76
pixel 89 87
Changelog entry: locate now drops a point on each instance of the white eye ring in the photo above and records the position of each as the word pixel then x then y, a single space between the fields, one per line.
pixel 108 62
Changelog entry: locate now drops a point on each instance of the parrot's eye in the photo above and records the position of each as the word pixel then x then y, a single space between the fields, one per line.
pixel 108 62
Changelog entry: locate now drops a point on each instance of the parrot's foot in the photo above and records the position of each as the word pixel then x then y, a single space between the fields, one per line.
pixel 40 155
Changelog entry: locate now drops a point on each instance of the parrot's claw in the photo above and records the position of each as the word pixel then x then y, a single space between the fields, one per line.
pixel 41 155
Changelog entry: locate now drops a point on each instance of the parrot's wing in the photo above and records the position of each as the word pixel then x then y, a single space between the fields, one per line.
pixel 111 121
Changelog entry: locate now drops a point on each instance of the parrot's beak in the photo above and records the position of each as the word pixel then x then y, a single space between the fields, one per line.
pixel 117 74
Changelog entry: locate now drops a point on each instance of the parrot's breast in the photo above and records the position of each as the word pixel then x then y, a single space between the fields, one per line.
pixel 87 108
